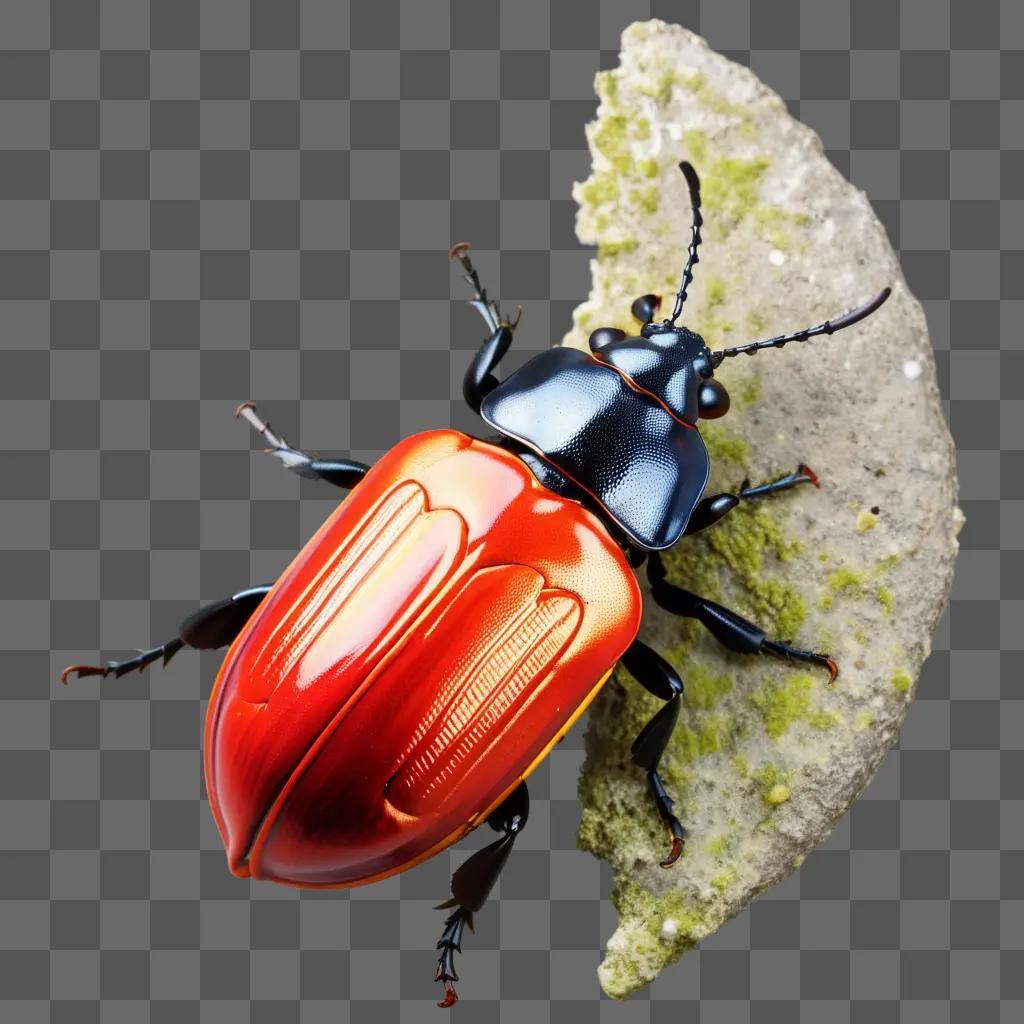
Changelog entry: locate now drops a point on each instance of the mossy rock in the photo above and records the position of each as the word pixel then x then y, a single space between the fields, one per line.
pixel 767 756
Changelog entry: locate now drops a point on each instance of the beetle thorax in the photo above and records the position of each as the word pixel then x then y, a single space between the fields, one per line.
pixel 667 362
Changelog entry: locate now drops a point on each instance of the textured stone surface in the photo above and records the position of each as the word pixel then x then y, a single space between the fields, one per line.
pixel 767 756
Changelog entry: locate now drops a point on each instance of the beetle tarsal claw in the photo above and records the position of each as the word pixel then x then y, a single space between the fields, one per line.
pixel 247 412
pixel 458 250
pixel 451 997
pixel 673 853
pixel 83 671
pixel 806 471
pixel 513 324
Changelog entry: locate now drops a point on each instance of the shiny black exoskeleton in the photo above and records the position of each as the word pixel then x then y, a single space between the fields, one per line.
pixel 645 467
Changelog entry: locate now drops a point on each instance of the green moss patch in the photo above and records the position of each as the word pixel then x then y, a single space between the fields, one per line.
pixel 646 198
pixel 608 249
pixel 600 189
pixel 867 520
pixel 648 167
pixel 714 291
pixel 748 392
pixel 723 445
pixel 772 784
pixel 783 702
pixel 902 680
pixel 843 583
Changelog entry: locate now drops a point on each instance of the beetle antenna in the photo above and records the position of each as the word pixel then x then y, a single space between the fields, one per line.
pixel 847 319
pixel 691 255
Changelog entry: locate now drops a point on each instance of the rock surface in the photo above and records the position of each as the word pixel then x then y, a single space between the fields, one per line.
pixel 767 756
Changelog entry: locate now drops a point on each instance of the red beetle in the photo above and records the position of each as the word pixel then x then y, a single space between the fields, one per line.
pixel 453 617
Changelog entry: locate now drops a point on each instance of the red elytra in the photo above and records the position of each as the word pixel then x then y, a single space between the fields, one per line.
pixel 438 634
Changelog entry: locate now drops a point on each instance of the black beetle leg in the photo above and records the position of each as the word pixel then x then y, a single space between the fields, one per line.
pixel 214 625
pixel 727 627
pixel 636 556
pixel 472 884
pixel 709 510
pixel 803 475
pixel 657 676
pixel 479 379
pixel 340 472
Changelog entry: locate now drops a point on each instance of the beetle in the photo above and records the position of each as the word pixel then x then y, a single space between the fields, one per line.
pixel 464 603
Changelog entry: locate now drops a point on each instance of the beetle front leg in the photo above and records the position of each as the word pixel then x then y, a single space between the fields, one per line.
pixel 479 379
pixel 708 511
pixel 657 676
pixel 472 884
pixel 212 626
pixel 727 627
pixel 340 472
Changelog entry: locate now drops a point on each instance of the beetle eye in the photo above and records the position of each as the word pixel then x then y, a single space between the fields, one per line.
pixel 712 400
pixel 605 336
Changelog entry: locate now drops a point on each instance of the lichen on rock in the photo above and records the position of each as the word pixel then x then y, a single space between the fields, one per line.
pixel 766 756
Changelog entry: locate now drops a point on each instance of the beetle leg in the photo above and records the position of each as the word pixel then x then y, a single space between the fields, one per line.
pixel 214 625
pixel 709 510
pixel 479 379
pixel 636 556
pixel 727 627
pixel 119 668
pixel 484 306
pixel 340 472
pixel 803 475
pixel 657 676
pixel 472 884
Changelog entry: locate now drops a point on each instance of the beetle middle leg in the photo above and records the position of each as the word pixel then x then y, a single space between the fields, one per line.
pixel 212 626
pixel 340 472
pixel 727 627
pixel 472 884
pixel 709 510
pixel 657 676
pixel 479 379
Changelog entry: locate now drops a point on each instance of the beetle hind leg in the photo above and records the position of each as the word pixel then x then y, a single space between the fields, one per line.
pixel 472 884
pixel 450 943
pixel 657 676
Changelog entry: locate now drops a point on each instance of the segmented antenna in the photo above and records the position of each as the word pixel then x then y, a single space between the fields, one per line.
pixel 828 327
pixel 691 258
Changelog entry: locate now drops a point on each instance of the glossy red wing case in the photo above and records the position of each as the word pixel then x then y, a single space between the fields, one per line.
pixel 436 636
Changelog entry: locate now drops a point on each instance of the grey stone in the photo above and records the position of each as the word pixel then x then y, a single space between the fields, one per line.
pixel 768 755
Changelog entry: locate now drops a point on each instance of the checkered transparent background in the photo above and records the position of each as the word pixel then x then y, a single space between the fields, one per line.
pixel 207 202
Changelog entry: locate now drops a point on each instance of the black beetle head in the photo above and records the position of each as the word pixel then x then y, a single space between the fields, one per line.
pixel 688 343
pixel 671 363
